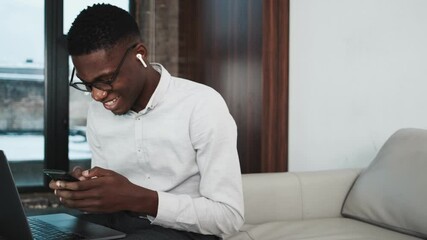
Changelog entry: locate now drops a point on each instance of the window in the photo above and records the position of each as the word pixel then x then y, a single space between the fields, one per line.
pixel 41 120
pixel 22 89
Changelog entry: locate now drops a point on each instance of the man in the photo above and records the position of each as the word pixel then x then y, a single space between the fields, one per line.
pixel 164 157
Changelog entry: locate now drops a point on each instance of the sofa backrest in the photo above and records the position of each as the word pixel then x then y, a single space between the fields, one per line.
pixel 295 195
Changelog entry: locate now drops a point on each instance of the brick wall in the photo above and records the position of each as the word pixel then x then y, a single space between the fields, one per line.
pixel 158 23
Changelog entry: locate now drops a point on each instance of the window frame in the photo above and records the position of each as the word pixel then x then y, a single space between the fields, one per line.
pixel 56 98
pixel 56 123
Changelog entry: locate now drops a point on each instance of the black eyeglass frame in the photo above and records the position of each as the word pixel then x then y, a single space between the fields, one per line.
pixel 100 84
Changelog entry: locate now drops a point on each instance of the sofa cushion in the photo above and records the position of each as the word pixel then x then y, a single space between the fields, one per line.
pixel 306 194
pixel 318 229
pixel 391 191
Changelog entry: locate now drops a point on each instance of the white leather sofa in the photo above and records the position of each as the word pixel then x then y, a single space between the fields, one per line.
pixel 304 205
pixel 385 201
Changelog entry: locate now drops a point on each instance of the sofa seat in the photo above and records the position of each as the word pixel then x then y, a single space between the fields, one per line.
pixel 318 229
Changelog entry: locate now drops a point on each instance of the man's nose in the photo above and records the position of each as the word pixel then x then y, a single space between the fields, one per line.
pixel 98 95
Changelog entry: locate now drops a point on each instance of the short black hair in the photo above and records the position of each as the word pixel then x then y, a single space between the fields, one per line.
pixel 101 26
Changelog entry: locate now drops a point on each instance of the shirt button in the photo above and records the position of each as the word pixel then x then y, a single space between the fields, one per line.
pixel 138 119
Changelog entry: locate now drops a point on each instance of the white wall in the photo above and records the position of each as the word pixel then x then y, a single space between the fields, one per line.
pixel 358 72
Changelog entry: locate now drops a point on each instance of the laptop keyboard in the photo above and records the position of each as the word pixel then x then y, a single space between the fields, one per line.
pixel 45 231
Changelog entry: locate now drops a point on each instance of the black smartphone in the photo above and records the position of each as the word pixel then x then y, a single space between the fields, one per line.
pixel 56 175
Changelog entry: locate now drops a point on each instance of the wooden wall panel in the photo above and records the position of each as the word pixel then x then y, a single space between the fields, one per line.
pixel 221 46
pixel 275 82
pixel 240 48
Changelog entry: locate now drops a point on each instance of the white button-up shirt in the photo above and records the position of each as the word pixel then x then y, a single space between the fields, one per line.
pixel 182 145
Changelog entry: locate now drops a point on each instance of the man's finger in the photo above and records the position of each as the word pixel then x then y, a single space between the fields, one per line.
pixel 96 172
pixel 52 185
pixel 76 195
pixel 78 173
pixel 79 186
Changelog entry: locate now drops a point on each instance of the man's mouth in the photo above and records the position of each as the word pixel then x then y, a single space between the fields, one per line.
pixel 110 104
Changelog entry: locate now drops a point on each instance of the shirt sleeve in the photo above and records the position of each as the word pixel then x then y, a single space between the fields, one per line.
pixel 219 210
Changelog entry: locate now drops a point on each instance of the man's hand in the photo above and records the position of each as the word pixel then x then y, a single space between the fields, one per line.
pixel 102 190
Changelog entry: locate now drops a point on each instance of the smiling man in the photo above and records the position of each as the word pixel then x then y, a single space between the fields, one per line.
pixel 164 157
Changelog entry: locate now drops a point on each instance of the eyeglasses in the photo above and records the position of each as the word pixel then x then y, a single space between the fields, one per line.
pixel 99 84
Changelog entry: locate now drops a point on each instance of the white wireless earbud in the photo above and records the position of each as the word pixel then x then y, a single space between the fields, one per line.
pixel 139 56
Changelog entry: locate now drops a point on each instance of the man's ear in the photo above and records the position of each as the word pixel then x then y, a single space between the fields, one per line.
pixel 141 49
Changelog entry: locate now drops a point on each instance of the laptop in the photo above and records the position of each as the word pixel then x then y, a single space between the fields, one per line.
pixel 15 225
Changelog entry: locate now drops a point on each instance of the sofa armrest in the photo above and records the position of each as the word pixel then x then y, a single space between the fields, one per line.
pixel 295 195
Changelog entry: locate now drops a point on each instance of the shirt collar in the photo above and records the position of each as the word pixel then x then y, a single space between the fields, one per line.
pixel 161 88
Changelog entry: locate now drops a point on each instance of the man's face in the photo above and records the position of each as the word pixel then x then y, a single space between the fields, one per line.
pixel 125 80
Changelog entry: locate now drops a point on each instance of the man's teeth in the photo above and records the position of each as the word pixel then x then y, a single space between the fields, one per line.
pixel 111 102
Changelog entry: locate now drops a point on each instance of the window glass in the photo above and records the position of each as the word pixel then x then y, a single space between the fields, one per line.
pixel 79 153
pixel 22 88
